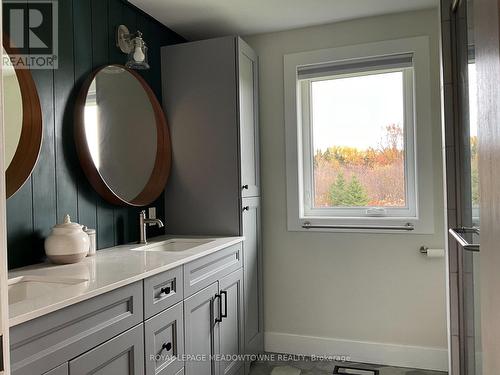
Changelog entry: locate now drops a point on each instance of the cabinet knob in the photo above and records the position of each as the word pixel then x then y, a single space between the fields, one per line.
pixel 245 187
pixel 165 290
pixel 246 208
pixel 166 346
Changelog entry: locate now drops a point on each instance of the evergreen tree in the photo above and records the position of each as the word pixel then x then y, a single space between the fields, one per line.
pixel 338 191
pixel 350 195
pixel 356 193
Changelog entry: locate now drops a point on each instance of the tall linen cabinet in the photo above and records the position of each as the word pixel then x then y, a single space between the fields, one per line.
pixel 210 97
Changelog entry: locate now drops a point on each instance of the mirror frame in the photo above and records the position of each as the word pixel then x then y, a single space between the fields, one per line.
pixel 30 141
pixel 161 170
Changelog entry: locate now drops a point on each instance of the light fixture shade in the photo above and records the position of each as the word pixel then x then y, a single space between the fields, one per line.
pixel 134 46
pixel 137 58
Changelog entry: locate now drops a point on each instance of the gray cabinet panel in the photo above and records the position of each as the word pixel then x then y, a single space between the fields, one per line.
pixel 253 287
pixel 44 343
pixel 59 370
pixel 231 327
pixel 201 333
pixel 122 355
pixel 200 101
pixel 164 341
pixel 248 112
pixel 162 291
pixel 181 372
pixel 204 271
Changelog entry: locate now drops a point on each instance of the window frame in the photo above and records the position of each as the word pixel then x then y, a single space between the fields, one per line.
pixel 307 154
pixel 420 214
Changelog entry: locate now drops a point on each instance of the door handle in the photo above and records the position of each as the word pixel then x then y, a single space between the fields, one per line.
pixel 223 314
pixel 219 318
pixel 458 235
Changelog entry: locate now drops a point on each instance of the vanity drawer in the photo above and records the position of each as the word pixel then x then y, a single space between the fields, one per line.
pixel 162 291
pixel 164 340
pixel 204 271
pixel 41 344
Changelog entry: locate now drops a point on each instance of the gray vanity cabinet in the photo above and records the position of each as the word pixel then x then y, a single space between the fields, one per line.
pixel 231 326
pixel 249 127
pixel 201 333
pixel 42 344
pixel 164 341
pixel 252 266
pixel 213 319
pixel 210 97
pixel 122 355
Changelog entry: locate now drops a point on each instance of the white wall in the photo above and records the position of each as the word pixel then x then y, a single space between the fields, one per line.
pixel 344 287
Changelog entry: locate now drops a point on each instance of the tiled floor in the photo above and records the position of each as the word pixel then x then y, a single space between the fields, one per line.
pixel 307 367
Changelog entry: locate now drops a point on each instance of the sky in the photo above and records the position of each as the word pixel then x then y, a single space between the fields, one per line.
pixel 354 111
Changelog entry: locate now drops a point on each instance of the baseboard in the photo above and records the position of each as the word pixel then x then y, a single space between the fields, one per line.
pixel 419 357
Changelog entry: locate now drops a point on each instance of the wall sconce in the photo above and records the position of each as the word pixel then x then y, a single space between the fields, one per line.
pixel 134 46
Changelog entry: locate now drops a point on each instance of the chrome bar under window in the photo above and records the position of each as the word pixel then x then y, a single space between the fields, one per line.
pixel 459 233
pixel 406 227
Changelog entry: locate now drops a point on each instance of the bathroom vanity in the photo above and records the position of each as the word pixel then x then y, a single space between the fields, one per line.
pixel 169 307
pixel 177 305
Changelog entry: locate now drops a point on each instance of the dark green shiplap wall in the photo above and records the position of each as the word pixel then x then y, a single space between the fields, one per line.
pixel 57 185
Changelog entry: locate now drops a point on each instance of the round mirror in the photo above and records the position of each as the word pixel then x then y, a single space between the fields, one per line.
pixel 122 137
pixel 23 124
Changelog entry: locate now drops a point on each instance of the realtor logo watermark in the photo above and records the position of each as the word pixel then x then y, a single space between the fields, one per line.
pixel 31 34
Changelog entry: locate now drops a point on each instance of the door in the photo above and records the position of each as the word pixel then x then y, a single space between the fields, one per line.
pixel 487 42
pixel 463 192
pixel 122 355
pixel 253 287
pixel 201 331
pixel 231 325
pixel 249 127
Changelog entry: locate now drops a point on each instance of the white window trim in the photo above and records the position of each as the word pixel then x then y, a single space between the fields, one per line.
pixel 422 218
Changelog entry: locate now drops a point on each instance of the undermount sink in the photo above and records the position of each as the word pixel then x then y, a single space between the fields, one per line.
pixel 32 286
pixel 174 245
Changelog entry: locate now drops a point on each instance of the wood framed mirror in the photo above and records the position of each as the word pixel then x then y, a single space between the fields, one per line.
pixel 23 122
pixel 122 138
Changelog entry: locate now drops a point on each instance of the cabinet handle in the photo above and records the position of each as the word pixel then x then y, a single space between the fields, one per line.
pixel 219 318
pixel 223 314
pixel 166 346
pixel 165 290
pixel 246 208
pixel 245 187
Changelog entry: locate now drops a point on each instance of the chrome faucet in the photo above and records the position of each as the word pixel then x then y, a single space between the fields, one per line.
pixel 143 222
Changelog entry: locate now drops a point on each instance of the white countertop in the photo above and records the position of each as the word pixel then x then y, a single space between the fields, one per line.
pixel 109 269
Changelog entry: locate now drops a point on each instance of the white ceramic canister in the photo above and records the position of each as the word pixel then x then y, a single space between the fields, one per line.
pixel 92 237
pixel 67 243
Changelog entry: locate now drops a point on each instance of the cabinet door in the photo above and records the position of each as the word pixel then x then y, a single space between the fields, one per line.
pixel 122 355
pixel 164 342
pixel 201 332
pixel 252 270
pixel 249 127
pixel 231 326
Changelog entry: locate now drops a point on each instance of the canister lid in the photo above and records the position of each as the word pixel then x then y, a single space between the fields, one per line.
pixel 88 230
pixel 67 224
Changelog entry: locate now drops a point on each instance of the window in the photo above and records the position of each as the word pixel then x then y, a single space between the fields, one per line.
pixel 358 140
pixel 351 138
